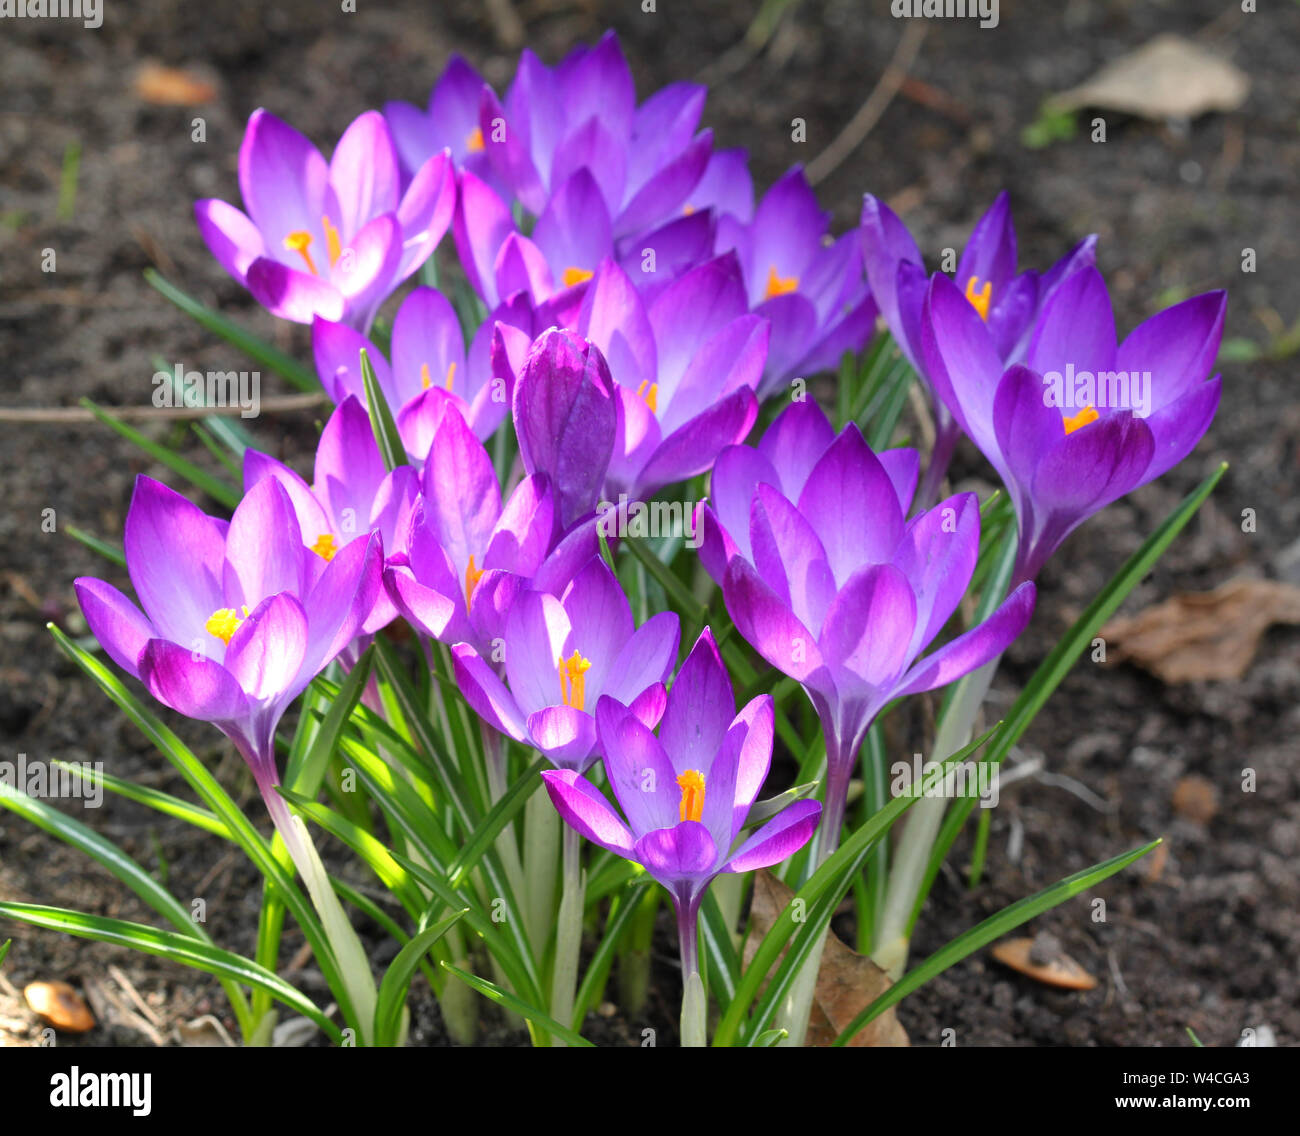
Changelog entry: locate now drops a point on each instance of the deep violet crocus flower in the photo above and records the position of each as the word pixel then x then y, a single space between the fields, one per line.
pixel 237 618
pixel 327 239
pixel 427 355
pixel 1008 301
pixel 1081 421
pixel 811 289
pixel 583 113
pixel 467 555
pixel 687 793
pixel 685 367
pixel 562 654
pixel 829 582
pixel 352 493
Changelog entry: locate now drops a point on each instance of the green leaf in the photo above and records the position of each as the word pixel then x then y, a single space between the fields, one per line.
pixel 214 487
pixel 183 949
pixel 270 357
pixel 992 928
pixel 307 772
pixel 1196 1041
pixel 523 1009
pixel 501 814
pixel 108 551
pixel 622 909
pixel 4 949
pixel 720 951
pixel 155 799
pixel 769 1039
pixel 397 979
pixel 381 417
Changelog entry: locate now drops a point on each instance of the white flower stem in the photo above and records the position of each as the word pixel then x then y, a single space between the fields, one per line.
pixel 568 931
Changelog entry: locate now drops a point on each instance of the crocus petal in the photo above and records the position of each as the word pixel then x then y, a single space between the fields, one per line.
pixel 266 650
pixel 758 717
pixel 486 693
pixel 614 318
pixel 1026 427
pixel 195 686
pixel 591 147
pixel 115 621
pixel 341 599
pixel 972 650
pixel 886 242
pixel 794 443
pixel 264 547
pixel 337 348
pixel 701 706
pixel 536 633
pixel 567 737
pixel 427 608
pixel 684 852
pixel 990 254
pixel 425 211
pixel 601 621
pixel 233 239
pixel 311 517
pixel 1177 346
pixel 574 230
pixel 583 808
pixel 349 470
pixel 668 188
pixel 521 267
pixel 462 496
pixel 282 178
pixel 1076 325
pixel 293 295
pixel 869 626
pixel 789 556
pixel 174 554
pixel 645 659
pixel 769 624
pixel 1177 427
pixel 363 172
pixel 937 555
pixel 642 776
pixel 480 225
pixel 779 839
pixel 692 447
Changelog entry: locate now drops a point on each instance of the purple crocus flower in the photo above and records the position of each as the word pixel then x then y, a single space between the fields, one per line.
pixel 813 292
pixel 829 582
pixel 1081 421
pixel 352 493
pixel 562 654
pixel 583 114
pixel 1008 301
pixel 238 618
pixel 327 239
pixel 686 793
pixel 467 555
pixel 685 365
pixel 429 365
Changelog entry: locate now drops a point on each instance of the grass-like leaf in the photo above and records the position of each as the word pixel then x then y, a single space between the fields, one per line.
pixel 540 1019
pixel 397 979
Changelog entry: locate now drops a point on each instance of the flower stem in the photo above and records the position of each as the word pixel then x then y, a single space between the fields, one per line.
pixel 568 931
pixel 694 1030
pixel 541 850
pixel 912 856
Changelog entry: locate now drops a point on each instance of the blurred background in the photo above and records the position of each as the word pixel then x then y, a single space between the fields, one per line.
pixel 1200 163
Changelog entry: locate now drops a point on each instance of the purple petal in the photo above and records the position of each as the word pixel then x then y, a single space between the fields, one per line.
pixel 293 295
pixel 1076 326
pixel 565 736
pixel 233 239
pixel 282 178
pixel 486 693
pixel 337 349
pixel 583 808
pixel 642 776
pixel 684 852
pixel 196 687
pixel 937 555
pixel 1177 346
pixel 266 650
pixel 700 709
pixel 794 443
pixel 768 624
pixel 779 839
pixel 363 173
pixel 645 660
pixel 869 628
pixel 115 621
pixel 481 224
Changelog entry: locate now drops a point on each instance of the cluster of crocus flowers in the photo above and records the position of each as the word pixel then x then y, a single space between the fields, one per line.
pixel 625 309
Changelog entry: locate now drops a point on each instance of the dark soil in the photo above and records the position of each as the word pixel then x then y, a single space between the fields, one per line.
pixel 1209 943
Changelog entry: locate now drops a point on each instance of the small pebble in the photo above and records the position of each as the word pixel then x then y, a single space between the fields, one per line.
pixel 60 1005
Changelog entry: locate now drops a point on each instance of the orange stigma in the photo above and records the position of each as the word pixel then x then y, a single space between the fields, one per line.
pixel 573 681
pixel 688 209
pixel 1086 415
pixel 326 546
pixel 574 275
pixel 692 786
pixel 980 300
pixel 474 141
pixel 779 285
pixel 651 395
pixel 472 576
pixel 332 244
pixel 299 241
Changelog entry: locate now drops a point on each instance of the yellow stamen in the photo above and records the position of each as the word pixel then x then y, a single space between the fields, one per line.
pixel 299 241
pixel 651 396
pixel 573 680
pixel 692 785
pixel 980 300
pixel 223 623
pixel 574 276
pixel 472 576
pixel 1086 415
pixel 474 141
pixel 688 209
pixel 426 379
pixel 332 244
pixel 451 373
pixel 779 285
pixel 326 546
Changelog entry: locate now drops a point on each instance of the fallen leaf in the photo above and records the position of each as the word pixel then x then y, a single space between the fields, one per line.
pixel 204 1032
pixel 60 1005
pixel 1043 960
pixel 1203 636
pixel 1169 77
pixel 170 86
pixel 846 984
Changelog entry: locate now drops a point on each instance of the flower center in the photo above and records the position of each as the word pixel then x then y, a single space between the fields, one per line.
pixel 223 623
pixel 474 141
pixel 650 395
pixel 573 680
pixel 980 300
pixel 426 379
pixel 326 546
pixel 1078 421
pixel 472 575
pixel 691 784
pixel 778 285
pixel 574 275
pixel 332 243
pixel 299 241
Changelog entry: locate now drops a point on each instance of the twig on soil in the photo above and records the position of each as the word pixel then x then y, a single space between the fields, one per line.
pixel 66 415
pixel 859 126
pixel 128 988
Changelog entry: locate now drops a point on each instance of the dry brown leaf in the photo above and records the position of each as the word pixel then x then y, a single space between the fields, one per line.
pixel 1169 77
pixel 1043 960
pixel 170 86
pixel 847 983
pixel 1203 635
